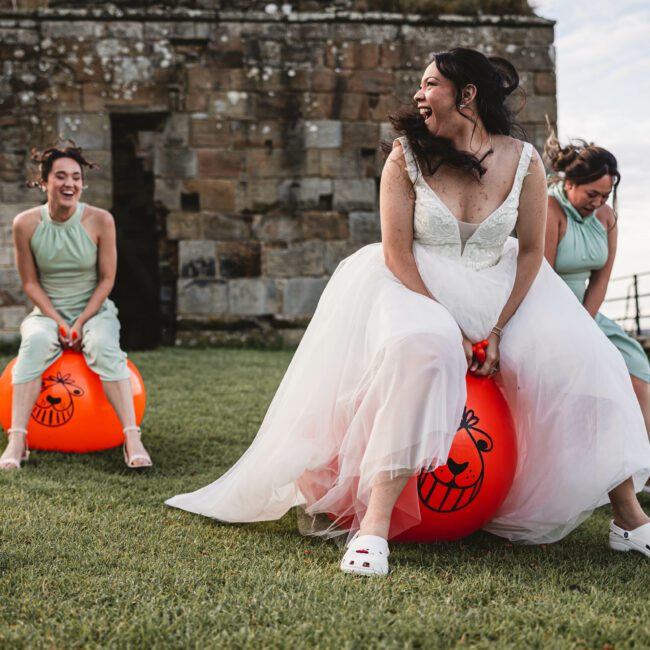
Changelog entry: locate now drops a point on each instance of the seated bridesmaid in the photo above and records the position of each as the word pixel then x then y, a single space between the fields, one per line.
pixel 67 258
pixel 581 238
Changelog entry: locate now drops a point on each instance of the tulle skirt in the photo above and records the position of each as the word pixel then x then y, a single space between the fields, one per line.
pixel 376 390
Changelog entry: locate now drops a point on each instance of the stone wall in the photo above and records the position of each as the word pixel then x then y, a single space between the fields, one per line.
pixel 265 144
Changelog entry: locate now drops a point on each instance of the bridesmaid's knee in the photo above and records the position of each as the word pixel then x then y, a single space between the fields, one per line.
pixel 38 344
pixel 105 358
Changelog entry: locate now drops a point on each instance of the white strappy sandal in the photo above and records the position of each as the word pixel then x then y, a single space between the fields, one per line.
pixel 15 463
pixel 128 460
pixel 367 555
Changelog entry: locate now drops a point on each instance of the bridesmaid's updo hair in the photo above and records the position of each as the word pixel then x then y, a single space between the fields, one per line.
pixel 61 149
pixel 495 79
pixel 581 162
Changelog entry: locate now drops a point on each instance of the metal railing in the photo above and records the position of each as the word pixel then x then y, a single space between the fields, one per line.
pixel 634 314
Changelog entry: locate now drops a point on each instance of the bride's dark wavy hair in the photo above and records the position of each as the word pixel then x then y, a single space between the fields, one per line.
pixel 495 79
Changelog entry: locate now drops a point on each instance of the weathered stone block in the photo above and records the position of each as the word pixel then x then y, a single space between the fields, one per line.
pixel 6 254
pixel 325 225
pixel 249 296
pixel 214 195
pixel 239 259
pixel 132 69
pixel 209 132
pixel 219 163
pixel 353 107
pixel 202 296
pixel 370 81
pixel 358 135
pixel 224 227
pixel 365 227
pixel 60 30
pixel 9 210
pixel 277 228
pixel 17 192
pixel 167 192
pixel 62 98
pixel 176 162
pixel 264 163
pixel 315 192
pixel 322 134
pixel 99 192
pixel 197 259
pixel 195 102
pixel 9 279
pixel 335 251
pixel 357 194
pixel 301 295
pixel 323 81
pixel 104 165
pixel 257 195
pixel 234 104
pixel 544 83
pixel 90 131
pixel 130 30
pixel 12 317
pixel 317 106
pixel 536 107
pixel 177 130
pixel 184 225
pixel 304 258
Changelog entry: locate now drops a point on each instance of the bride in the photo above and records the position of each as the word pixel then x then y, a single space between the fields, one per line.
pixel 376 389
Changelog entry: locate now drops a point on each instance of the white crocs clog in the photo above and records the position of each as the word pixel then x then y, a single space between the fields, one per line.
pixel 367 555
pixel 630 540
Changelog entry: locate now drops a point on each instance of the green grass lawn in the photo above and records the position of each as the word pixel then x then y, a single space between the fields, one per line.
pixel 90 557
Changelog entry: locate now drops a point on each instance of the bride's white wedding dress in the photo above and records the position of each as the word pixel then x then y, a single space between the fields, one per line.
pixel 376 388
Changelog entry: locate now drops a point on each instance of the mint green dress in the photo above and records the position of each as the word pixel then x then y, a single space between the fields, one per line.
pixel 584 249
pixel 66 260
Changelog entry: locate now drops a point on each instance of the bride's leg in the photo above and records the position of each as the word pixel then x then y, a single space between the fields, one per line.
pixel 628 513
pixel 380 506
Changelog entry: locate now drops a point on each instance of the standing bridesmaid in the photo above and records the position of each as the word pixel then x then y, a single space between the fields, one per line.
pixel 581 236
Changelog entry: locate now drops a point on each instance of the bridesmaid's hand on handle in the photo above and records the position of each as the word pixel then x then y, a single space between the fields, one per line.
pixel 76 335
pixel 64 334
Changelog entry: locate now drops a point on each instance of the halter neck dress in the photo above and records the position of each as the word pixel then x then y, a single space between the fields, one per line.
pixel 376 388
pixel 584 249
pixel 66 261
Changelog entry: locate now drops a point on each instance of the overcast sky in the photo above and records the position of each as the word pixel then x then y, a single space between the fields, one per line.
pixel 603 71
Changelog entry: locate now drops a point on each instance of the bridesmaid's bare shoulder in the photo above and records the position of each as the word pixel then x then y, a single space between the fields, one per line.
pixel 26 222
pixel 606 216
pixel 98 217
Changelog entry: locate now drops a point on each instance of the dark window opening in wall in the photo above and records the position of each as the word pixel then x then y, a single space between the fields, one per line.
pixel 190 202
pixel 137 291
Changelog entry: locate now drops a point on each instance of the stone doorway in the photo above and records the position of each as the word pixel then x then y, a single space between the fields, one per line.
pixel 137 288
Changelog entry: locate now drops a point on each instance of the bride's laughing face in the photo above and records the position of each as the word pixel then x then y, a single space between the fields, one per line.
pixel 436 101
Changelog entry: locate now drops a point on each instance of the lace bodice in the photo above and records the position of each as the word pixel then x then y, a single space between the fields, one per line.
pixel 435 226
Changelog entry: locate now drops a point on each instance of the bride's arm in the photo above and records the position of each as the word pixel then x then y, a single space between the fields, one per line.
pixel 531 226
pixel 396 205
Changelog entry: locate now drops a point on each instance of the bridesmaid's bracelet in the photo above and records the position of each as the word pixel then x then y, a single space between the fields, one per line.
pixel 497 330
